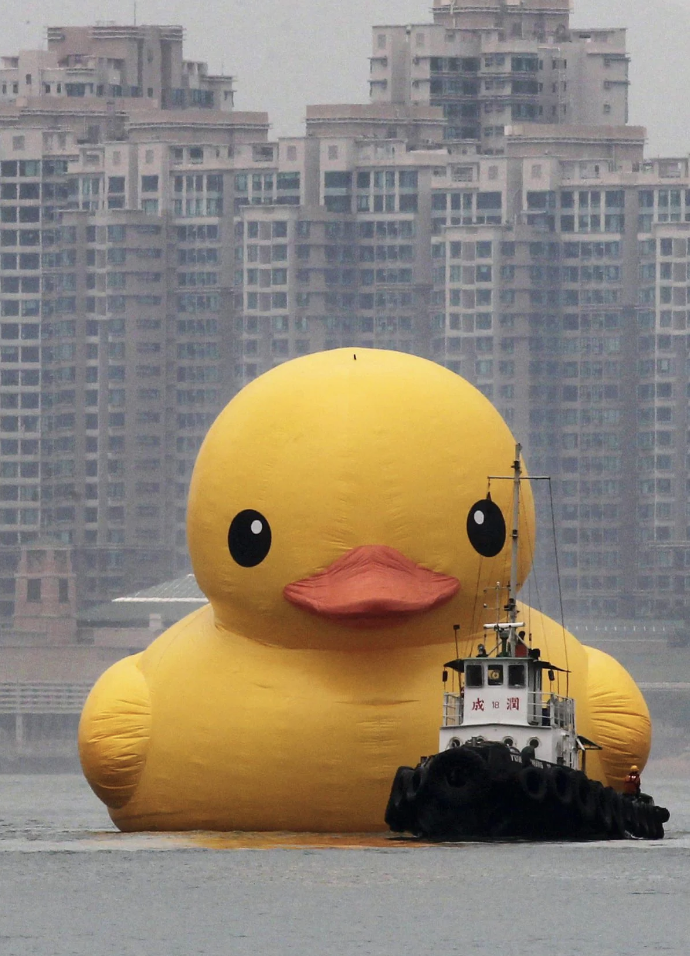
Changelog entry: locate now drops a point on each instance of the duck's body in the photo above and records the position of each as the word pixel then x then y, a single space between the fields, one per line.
pixel 253 737
pixel 235 735
pixel 329 519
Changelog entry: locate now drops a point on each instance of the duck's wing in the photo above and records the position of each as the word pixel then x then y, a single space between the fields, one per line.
pixel 618 717
pixel 114 732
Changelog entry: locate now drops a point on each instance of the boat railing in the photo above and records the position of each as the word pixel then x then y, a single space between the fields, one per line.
pixel 543 710
pixel 550 710
pixel 452 710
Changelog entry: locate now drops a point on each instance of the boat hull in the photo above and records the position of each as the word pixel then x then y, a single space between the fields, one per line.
pixel 487 792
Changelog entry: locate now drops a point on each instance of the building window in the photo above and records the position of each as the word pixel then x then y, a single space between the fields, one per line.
pixel 33 590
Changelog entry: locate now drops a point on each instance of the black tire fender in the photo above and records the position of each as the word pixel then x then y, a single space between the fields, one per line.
pixel 605 808
pixel 585 797
pixel 400 814
pixel 458 777
pixel 533 783
pixel 399 790
pixel 499 762
pixel 655 824
pixel 458 766
pixel 630 815
pixel 645 823
pixel 618 815
pixel 561 786
pixel 415 781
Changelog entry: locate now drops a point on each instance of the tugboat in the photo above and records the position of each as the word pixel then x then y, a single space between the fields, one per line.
pixel 511 763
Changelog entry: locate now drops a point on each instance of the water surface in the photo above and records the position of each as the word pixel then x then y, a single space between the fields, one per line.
pixel 71 885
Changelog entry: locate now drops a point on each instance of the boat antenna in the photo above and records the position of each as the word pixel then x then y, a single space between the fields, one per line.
pixel 475 617
pixel 511 607
pixel 560 591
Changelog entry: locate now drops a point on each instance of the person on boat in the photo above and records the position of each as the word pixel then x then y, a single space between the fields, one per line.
pixel 481 651
pixel 632 783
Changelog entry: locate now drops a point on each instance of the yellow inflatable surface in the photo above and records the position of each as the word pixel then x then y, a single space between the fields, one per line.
pixel 328 526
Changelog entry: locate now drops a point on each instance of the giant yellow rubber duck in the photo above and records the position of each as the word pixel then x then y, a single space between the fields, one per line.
pixel 333 526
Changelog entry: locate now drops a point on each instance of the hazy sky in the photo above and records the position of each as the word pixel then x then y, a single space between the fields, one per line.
pixel 287 53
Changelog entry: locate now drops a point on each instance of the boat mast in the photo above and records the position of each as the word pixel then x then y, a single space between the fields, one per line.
pixel 506 632
pixel 511 606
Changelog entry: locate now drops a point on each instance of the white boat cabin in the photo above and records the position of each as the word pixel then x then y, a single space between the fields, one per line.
pixel 501 698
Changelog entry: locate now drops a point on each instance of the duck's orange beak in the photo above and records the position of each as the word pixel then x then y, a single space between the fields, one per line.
pixel 371 586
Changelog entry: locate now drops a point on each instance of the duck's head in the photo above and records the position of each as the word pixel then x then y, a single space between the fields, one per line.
pixel 340 501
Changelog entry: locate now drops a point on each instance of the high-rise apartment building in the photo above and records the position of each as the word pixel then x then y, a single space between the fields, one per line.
pixel 491 63
pixel 113 63
pixel 351 264
pixel 116 211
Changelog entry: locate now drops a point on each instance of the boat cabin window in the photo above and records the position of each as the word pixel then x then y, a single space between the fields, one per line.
pixel 516 675
pixel 495 675
pixel 474 675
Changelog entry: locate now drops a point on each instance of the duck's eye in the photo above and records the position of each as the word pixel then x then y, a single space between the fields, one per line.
pixel 486 528
pixel 249 538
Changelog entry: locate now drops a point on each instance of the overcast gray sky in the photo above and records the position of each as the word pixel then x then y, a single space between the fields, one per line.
pixel 287 53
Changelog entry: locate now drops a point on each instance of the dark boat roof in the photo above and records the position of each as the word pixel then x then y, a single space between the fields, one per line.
pixel 459 664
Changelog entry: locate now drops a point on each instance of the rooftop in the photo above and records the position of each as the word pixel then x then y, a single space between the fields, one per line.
pixel 172 600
